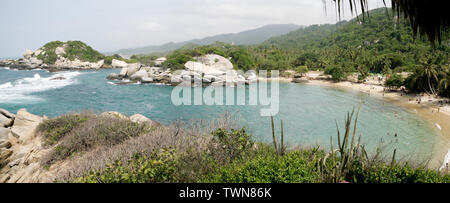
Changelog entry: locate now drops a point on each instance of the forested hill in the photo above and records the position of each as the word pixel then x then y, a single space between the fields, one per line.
pixel 380 31
pixel 248 37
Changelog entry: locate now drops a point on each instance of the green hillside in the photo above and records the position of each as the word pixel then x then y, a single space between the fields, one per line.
pixel 249 37
pixel 73 50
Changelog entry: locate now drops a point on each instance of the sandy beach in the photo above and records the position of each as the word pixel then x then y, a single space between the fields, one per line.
pixel 433 109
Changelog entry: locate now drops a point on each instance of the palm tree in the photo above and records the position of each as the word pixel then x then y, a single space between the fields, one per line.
pixel 428 18
pixel 445 80
pixel 429 71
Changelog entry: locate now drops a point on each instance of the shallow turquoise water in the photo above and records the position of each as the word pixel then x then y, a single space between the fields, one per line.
pixel 309 112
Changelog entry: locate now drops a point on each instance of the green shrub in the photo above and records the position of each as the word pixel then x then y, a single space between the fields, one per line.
pixel 49 57
pixel 399 173
pixel 337 74
pixel 302 69
pixel 55 129
pixel 177 60
pixel 395 81
pixel 293 167
pixel 99 131
pixel 108 59
pixel 229 145
pixel 79 50
pixel 157 167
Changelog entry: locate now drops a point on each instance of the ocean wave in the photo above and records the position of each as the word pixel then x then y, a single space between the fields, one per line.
pixel 19 91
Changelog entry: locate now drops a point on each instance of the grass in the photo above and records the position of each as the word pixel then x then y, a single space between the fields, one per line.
pixel 118 151
pixel 80 132
pixel 55 129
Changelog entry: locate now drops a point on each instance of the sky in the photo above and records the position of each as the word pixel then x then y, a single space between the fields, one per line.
pixel 109 25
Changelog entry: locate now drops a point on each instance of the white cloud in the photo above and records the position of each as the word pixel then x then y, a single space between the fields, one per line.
pixel 149 26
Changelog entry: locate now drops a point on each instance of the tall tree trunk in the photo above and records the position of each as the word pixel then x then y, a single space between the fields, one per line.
pixel 429 85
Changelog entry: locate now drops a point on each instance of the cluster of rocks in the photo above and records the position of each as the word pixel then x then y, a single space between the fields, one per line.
pixel 22 148
pixel 299 78
pixel 30 60
pixel 210 69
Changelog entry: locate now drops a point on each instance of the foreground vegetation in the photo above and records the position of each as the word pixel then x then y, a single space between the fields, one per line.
pixel 101 149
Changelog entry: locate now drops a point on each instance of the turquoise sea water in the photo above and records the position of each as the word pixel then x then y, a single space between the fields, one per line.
pixel 309 112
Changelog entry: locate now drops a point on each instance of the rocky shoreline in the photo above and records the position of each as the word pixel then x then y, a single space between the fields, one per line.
pixel 206 70
pixel 22 147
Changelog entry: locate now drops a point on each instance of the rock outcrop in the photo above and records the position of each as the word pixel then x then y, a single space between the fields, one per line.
pixel 54 57
pixel 25 125
pixel 22 149
pixel 206 70
pixel 138 118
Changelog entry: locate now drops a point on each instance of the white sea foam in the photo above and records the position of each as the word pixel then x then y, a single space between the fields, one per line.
pixel 438 126
pixel 446 161
pixel 19 91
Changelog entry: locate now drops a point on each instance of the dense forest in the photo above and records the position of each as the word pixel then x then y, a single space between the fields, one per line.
pixel 379 44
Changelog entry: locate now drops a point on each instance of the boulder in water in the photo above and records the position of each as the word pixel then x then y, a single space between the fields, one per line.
pixel 123 72
pixel 58 78
pixel 139 75
pixel 133 68
pixel 113 76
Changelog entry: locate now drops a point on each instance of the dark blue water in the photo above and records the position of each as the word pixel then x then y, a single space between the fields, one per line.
pixel 309 112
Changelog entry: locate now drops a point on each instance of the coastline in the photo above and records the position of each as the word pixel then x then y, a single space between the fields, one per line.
pixel 427 109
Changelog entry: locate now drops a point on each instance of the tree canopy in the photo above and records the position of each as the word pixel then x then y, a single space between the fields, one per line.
pixel 428 18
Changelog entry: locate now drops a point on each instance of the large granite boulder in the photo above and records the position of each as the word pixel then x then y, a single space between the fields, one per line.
pixel 118 64
pixel 113 76
pixel 6 118
pixel 27 54
pixel 60 51
pixel 113 114
pixel 6 113
pixel 97 65
pixel 5 121
pixel 123 72
pixel 216 61
pixel 25 125
pixel 139 75
pixel 210 64
pixel 160 60
pixel 133 68
pixel 35 61
pixel 138 118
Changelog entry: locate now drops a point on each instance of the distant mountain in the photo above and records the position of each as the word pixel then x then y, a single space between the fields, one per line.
pixel 249 37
